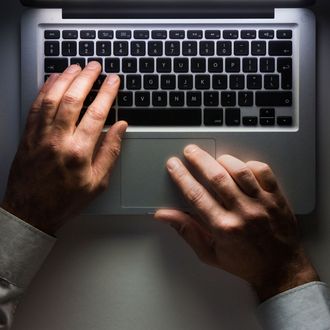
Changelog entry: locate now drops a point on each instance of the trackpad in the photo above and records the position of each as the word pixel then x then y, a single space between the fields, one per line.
pixel 145 182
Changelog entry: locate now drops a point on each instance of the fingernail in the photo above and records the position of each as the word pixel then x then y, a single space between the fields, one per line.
pixel 73 68
pixel 94 65
pixel 191 148
pixel 173 164
pixel 112 79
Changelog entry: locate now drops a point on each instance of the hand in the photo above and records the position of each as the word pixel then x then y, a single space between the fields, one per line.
pixel 242 224
pixel 61 166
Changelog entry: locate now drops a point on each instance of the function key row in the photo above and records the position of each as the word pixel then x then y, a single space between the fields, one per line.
pixel 172 34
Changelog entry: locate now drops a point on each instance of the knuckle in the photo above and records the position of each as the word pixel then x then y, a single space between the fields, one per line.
pixel 231 226
pixel 114 152
pixel 242 173
pixel 218 179
pixel 49 102
pixel 195 195
pixel 76 155
pixel 71 99
pixel 95 113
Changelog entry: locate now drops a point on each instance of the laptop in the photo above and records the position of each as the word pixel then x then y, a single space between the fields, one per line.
pixel 234 77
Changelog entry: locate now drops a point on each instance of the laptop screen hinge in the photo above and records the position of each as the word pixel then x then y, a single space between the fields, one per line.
pixel 147 10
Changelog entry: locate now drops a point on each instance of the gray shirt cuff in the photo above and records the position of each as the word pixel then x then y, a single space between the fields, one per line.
pixel 23 249
pixel 304 307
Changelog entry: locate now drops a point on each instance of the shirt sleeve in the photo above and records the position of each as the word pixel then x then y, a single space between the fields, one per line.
pixel 23 249
pixel 302 308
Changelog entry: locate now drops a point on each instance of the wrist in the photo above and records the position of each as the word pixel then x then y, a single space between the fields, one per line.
pixel 299 272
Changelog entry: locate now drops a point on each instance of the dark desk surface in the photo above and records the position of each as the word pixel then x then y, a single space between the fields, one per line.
pixel 131 273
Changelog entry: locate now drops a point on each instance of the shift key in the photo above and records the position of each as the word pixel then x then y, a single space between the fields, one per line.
pixel 274 99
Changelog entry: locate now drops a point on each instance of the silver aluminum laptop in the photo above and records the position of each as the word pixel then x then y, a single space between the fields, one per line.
pixel 234 77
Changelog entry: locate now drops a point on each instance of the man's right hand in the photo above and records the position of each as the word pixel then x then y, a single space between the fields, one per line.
pixel 61 166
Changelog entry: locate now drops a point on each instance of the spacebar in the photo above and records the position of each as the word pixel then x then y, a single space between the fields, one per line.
pixel 161 117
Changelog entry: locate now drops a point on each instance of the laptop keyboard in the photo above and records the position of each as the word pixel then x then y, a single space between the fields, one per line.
pixel 186 77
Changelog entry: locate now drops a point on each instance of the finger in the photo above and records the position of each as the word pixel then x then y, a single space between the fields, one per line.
pixel 109 151
pixel 201 200
pixel 215 174
pixel 265 176
pixel 74 97
pixel 92 123
pixel 242 174
pixel 53 97
pixel 201 241
pixel 32 119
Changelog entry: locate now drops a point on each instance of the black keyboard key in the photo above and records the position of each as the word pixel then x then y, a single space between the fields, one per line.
pixel 172 48
pixel 155 48
pixel 211 99
pixel 267 65
pixel 159 99
pixel 70 34
pixel 177 34
pixel 141 34
pixel 112 65
pixel 233 117
pixel 52 34
pixel 248 34
pixel 189 48
pixel 212 34
pixel 103 48
pixel 224 48
pixel 55 65
pixel 52 48
pixel 284 34
pixel 161 117
pixel 245 99
pixel 164 65
pixel 129 65
pixel 206 48
pixel 133 82
pixel 241 48
pixel 120 48
pixel 123 34
pixel 254 81
pixel 86 48
pixel 233 65
pixel 280 48
pixel 213 117
pixel 80 61
pixel 95 59
pixel 87 34
pixel 122 81
pixel 138 48
pixel 99 81
pixel 69 48
pixel 219 82
pixel 194 99
pixel 215 65
pixel 202 81
pixel 258 48
pixel 125 99
pixel 228 99
pixel 151 82
pixel 147 65
pixel 284 66
pixel 159 34
pixel 168 82
pixel 105 34
pixel 250 65
pixel 267 121
pixel 176 99
pixel 111 117
pixel 284 121
pixel 195 34
pixel 267 113
pixel 142 99
pixel 266 34
pixel 230 34
pixel 271 81
pixel 90 98
pixel 181 65
pixel 237 82
pixel 198 65
pixel 250 121
pixel 274 99
pixel 185 82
